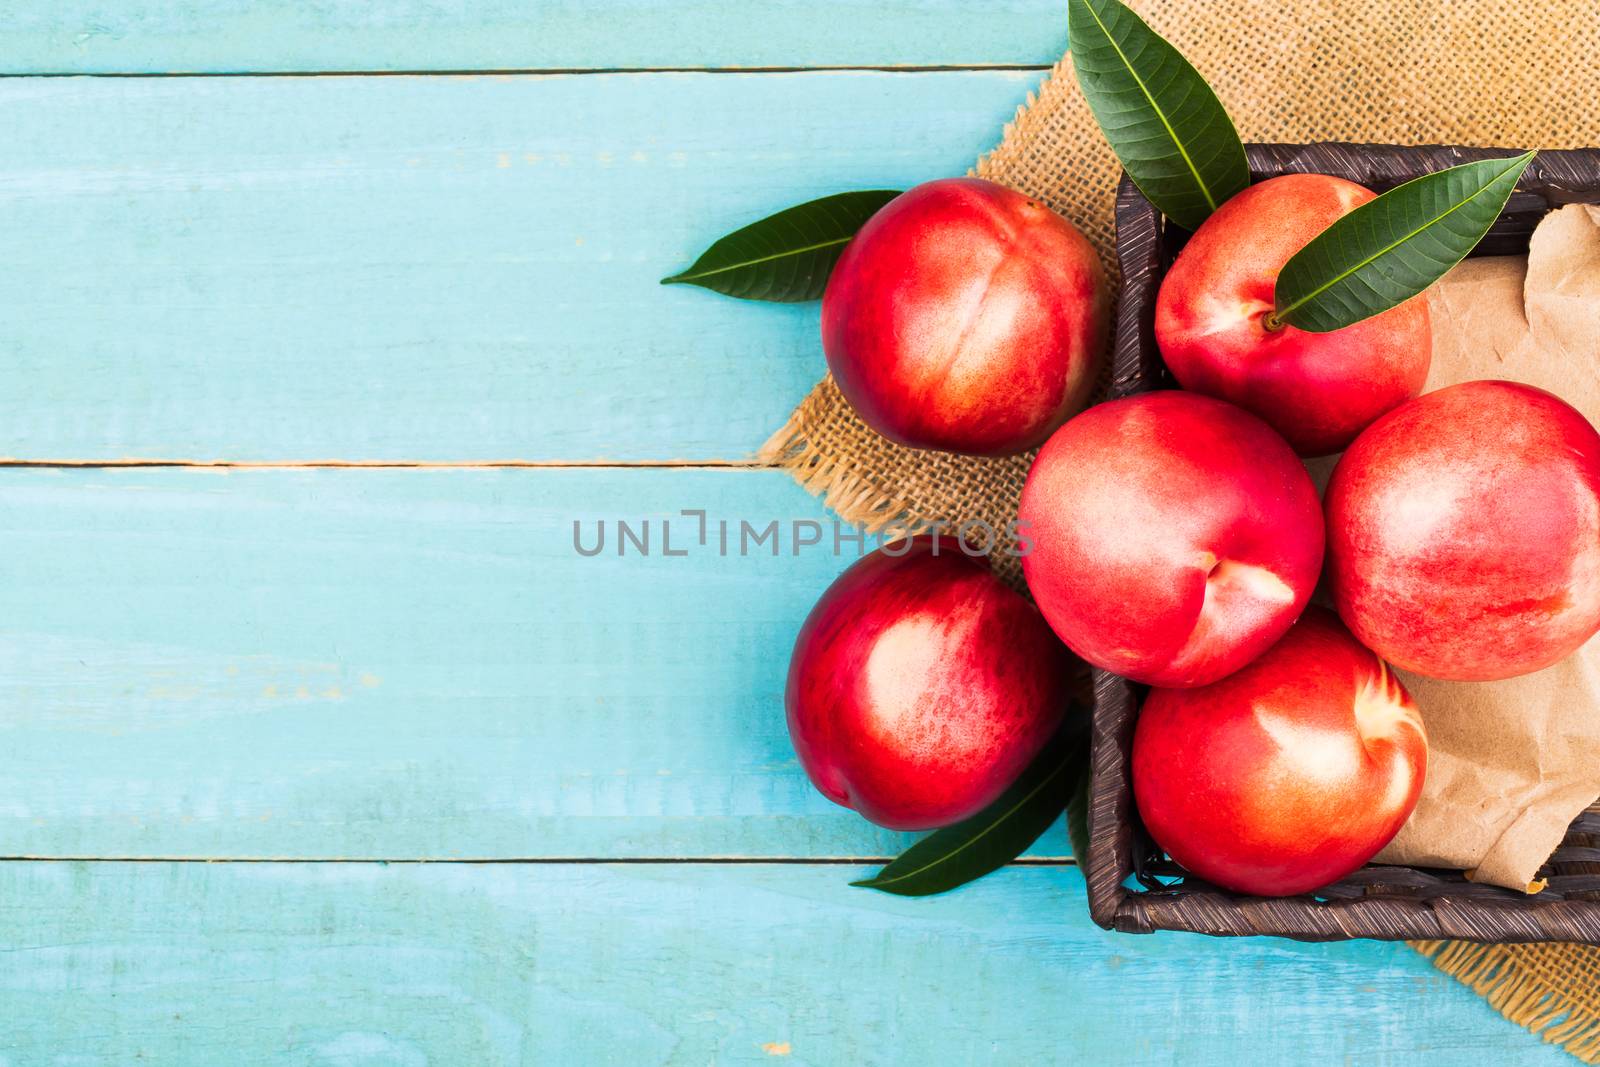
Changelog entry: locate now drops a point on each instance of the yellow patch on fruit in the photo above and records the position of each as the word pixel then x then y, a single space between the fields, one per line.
pixel 1383 710
pixel 1228 576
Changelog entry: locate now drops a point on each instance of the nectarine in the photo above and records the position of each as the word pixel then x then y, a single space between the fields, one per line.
pixel 1464 532
pixel 1317 389
pixel 1173 537
pixel 965 317
pixel 921 686
pixel 1287 775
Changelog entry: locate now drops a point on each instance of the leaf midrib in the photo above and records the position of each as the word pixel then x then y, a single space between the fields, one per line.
pixel 953 853
pixel 689 276
pixel 1385 250
pixel 1205 190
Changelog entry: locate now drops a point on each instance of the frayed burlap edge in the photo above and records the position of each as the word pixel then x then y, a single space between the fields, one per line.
pixel 1548 989
pixel 846 489
pixel 884 487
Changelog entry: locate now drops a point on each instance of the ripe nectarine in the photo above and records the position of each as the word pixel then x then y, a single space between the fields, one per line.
pixel 1464 532
pixel 965 317
pixel 921 686
pixel 1174 537
pixel 1287 775
pixel 1317 389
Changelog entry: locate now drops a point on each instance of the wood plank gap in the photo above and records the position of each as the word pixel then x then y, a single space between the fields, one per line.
pixel 394 464
pixel 910 68
pixel 482 861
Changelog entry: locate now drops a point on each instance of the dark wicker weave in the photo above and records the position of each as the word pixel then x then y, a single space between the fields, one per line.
pixel 1133 887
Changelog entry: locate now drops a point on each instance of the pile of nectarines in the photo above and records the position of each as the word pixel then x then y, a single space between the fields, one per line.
pixel 1177 538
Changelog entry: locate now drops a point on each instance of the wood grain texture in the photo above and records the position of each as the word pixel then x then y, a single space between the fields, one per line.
pixel 405 664
pixel 235 36
pixel 377 966
pixel 460 268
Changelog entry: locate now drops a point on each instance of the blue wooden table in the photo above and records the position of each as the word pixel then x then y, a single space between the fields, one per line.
pixel 320 744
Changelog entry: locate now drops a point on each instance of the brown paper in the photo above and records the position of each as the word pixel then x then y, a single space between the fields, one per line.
pixel 1512 763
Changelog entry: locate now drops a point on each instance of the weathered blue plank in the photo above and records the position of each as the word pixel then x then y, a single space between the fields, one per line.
pixel 230 36
pixel 403 663
pixel 426 268
pixel 193 964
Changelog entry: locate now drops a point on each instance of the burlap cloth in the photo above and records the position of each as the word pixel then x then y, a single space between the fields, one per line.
pixel 1475 72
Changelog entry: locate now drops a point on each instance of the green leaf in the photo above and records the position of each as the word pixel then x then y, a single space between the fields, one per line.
pixel 992 838
pixel 1163 121
pixel 1390 249
pixel 785 257
pixel 1078 814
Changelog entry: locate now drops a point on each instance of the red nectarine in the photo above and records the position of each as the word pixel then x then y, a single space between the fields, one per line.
pixel 1287 775
pixel 1174 537
pixel 921 686
pixel 965 317
pixel 1317 389
pixel 1464 532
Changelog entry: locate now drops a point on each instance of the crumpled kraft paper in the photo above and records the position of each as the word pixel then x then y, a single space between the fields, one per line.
pixel 1512 763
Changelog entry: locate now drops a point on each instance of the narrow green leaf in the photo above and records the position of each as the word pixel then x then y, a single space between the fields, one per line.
pixel 785 257
pixel 992 838
pixel 1078 814
pixel 1163 121
pixel 1390 249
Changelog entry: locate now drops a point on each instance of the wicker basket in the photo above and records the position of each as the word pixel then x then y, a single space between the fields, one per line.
pixel 1133 887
